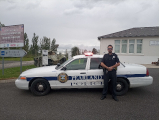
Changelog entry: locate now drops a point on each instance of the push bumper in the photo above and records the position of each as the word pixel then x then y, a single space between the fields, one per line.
pixel 22 84
pixel 140 81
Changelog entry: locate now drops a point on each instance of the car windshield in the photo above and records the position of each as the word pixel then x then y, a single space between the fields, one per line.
pixel 64 63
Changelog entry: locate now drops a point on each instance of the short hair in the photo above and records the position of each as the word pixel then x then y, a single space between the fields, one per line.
pixel 110 45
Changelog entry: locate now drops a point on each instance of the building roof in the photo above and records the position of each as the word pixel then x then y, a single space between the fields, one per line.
pixel 134 32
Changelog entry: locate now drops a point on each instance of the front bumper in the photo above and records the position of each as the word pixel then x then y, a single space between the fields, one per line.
pixel 22 84
pixel 140 81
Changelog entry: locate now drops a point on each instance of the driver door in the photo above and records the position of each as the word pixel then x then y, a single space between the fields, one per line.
pixel 95 74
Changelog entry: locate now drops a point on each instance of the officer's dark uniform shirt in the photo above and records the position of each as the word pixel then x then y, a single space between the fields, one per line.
pixel 110 60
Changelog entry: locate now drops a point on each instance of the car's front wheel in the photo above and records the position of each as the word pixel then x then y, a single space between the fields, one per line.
pixel 40 87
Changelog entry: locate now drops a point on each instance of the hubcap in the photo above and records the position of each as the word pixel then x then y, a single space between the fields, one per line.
pixel 40 87
pixel 118 87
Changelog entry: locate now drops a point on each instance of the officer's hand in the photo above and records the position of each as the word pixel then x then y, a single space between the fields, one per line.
pixel 110 68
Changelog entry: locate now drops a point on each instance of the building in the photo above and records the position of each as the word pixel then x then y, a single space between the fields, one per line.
pixel 135 45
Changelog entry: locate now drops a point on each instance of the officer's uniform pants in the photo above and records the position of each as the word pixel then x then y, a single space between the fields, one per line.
pixel 110 75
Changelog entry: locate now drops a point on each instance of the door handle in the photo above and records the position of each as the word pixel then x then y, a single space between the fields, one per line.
pixel 82 73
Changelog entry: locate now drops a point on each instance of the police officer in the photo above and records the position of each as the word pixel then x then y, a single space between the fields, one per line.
pixel 110 62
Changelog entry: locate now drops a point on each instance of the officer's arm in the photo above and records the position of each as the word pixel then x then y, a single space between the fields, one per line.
pixel 103 65
pixel 116 65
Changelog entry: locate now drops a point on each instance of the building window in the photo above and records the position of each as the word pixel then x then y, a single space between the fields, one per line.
pixel 131 46
pixel 124 46
pixel 117 46
pixel 139 46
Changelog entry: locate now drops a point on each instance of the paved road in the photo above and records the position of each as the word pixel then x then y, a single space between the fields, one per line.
pixel 9 64
pixel 138 104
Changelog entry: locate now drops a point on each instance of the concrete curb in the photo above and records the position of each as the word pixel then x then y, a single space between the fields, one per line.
pixel 7 81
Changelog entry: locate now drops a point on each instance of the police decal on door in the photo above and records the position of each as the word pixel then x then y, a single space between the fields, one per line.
pixel 62 77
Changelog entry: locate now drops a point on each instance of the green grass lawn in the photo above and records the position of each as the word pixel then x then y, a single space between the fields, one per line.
pixel 11 73
pixel 18 59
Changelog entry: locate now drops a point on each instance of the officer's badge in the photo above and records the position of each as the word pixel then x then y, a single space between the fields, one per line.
pixel 62 77
pixel 113 57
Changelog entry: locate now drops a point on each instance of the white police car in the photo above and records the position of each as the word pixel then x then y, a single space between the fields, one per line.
pixel 81 71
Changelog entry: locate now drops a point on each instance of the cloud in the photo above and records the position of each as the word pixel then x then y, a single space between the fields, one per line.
pixel 78 22
pixel 72 11
pixel 80 4
pixel 12 7
pixel 90 4
pixel 33 4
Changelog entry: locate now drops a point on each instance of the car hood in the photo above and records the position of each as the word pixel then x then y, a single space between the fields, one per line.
pixel 39 71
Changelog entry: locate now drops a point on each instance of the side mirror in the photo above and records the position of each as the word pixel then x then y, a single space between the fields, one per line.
pixel 58 64
pixel 64 68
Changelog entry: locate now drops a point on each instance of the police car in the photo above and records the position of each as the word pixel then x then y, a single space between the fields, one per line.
pixel 81 71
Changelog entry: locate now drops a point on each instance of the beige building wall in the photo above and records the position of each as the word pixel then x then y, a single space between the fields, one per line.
pixel 150 50
pixel 150 53
pixel 103 45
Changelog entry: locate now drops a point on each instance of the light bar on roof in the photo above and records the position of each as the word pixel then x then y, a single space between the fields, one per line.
pixel 88 54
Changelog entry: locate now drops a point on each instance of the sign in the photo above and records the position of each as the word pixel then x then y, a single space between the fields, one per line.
pixel 154 42
pixel 12 53
pixel 12 36
pixel 44 57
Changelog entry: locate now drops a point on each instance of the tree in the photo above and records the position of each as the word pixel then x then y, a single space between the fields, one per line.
pixel 53 45
pixel 26 42
pixel 60 54
pixel 94 51
pixel 66 54
pixel 1 25
pixel 75 51
pixel 45 43
pixel 31 50
pixel 85 51
pixel 34 46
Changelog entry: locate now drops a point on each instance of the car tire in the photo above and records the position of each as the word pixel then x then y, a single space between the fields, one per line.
pixel 121 87
pixel 40 87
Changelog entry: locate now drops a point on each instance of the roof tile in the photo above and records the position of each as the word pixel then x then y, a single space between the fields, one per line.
pixel 134 32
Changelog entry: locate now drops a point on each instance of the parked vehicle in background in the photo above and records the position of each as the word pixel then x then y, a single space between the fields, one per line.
pixel 53 59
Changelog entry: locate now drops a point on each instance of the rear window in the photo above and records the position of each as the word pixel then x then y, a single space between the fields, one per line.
pixel 95 63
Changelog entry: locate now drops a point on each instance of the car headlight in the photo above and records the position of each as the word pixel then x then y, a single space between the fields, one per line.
pixel 22 78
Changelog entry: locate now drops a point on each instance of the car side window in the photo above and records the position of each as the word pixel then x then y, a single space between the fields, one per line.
pixel 77 64
pixel 94 64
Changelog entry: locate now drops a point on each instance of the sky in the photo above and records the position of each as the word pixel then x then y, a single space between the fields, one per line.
pixel 78 22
